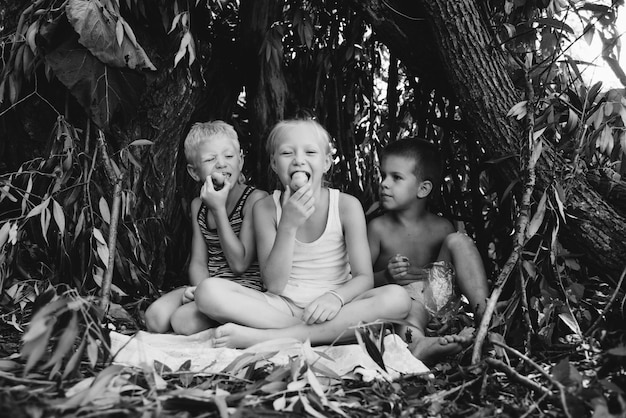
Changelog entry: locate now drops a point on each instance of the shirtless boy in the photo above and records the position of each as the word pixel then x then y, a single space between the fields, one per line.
pixel 420 250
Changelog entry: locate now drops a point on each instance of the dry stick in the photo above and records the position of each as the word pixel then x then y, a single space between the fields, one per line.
pixel 525 310
pixel 545 374
pixel 443 394
pixel 520 224
pixel 608 305
pixel 534 406
pixel 112 243
pixel 513 375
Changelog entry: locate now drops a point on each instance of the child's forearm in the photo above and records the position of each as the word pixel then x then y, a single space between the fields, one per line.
pixel 355 287
pixel 197 273
pixel 277 268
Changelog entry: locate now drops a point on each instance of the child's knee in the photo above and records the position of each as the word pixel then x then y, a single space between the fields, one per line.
pixel 182 324
pixel 156 321
pixel 398 300
pixel 458 241
pixel 210 296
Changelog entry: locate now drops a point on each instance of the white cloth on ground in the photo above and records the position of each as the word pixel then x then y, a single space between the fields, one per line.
pixel 173 350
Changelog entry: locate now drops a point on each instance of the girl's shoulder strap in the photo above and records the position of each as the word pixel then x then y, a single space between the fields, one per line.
pixel 276 197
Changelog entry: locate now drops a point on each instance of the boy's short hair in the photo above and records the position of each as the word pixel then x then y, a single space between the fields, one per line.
pixel 425 155
pixel 282 126
pixel 201 131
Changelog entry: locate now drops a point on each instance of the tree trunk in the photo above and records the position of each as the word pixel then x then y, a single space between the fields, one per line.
pixel 171 104
pixel 477 73
pixel 266 88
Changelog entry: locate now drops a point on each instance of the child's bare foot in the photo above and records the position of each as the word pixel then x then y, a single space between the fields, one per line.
pixel 430 349
pixel 236 336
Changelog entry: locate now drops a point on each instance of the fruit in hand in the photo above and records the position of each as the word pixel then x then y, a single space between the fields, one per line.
pixel 298 180
pixel 218 180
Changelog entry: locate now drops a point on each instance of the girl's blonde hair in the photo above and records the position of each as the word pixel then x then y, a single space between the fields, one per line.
pixel 203 131
pixel 281 127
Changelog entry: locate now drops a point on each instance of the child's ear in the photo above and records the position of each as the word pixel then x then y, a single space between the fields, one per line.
pixel 273 164
pixel 328 162
pixel 192 172
pixel 424 189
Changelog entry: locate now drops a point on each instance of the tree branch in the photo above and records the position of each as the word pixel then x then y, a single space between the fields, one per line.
pixel 528 161
pixel 116 179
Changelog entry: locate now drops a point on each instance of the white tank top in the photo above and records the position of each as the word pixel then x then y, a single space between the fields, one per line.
pixel 321 265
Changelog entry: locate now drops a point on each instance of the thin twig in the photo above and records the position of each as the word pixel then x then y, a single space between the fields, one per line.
pixel 608 305
pixel 534 406
pixel 521 222
pixel 545 374
pixel 444 393
pixel 112 242
pixel 525 310
pixel 527 360
pixel 513 375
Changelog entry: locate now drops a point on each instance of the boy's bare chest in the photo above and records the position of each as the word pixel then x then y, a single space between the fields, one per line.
pixel 421 246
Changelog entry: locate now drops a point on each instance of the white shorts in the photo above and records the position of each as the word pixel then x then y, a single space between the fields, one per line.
pixel 283 304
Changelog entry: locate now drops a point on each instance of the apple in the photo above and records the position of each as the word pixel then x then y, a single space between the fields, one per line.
pixel 218 180
pixel 298 180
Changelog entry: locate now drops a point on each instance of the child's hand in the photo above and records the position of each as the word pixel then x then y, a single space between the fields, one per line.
pixel 189 294
pixel 397 268
pixel 297 207
pixel 213 198
pixel 322 309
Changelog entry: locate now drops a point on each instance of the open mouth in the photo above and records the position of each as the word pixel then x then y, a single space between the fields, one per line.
pixel 300 173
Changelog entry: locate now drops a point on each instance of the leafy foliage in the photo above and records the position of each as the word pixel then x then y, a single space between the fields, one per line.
pixel 55 219
pixel 56 211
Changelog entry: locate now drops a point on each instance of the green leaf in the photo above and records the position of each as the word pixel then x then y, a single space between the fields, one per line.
pixel 274 387
pixel 569 320
pixel 370 347
pixel 620 351
pixel 59 217
pixel 104 210
pixel 537 219
pixel 45 223
pixel 98 32
pixel 554 23
pixel 101 89
pixel 64 344
pixel 140 142
pixel 36 348
pixel 38 209
pixel 74 362
pixel 161 368
pixel 316 385
pixel 4 233
pixel 309 408
pixel 92 350
pixel 561 371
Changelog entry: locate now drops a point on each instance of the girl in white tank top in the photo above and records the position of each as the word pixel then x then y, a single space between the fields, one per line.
pixel 320 265
pixel 314 256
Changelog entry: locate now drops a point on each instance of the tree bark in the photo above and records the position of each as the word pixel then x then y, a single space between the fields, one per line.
pixel 266 88
pixel 476 70
pixel 173 101
pixel 612 191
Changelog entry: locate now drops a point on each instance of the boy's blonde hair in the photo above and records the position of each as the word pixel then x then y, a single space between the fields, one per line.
pixel 203 131
pixel 280 128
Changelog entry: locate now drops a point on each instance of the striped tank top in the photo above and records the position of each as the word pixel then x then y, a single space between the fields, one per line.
pixel 217 264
